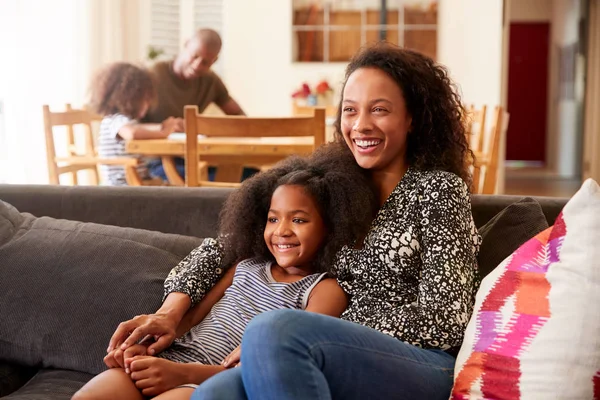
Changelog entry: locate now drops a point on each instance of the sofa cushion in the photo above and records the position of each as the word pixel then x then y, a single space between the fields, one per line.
pixel 507 230
pixel 534 330
pixel 65 286
pixel 13 377
pixel 51 384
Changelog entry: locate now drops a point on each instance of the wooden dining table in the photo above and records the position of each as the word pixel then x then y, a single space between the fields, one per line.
pixel 229 154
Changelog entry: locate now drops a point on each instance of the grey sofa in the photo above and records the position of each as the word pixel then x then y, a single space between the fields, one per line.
pixel 64 285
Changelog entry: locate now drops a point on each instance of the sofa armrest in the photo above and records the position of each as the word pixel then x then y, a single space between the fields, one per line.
pixel 12 377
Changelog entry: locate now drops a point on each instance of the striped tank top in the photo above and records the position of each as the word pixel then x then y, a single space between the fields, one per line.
pixel 110 145
pixel 252 292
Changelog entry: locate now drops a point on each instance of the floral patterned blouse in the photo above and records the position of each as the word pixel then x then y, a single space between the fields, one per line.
pixel 415 277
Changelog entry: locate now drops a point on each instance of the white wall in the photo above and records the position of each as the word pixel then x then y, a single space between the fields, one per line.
pixel 258 43
pixel 257 53
pixel 51 49
pixel 470 45
pixel 564 112
pixel 43 46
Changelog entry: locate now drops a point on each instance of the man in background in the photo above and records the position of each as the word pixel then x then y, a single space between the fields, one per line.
pixel 188 80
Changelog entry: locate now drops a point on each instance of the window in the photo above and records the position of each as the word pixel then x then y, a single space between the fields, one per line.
pixel 164 27
pixel 332 30
pixel 209 14
pixel 167 20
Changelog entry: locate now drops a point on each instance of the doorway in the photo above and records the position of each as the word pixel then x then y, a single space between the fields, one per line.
pixel 527 97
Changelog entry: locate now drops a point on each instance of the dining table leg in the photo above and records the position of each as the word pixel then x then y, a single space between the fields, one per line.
pixel 171 172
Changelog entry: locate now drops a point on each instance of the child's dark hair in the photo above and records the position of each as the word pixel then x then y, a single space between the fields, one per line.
pixel 341 190
pixel 437 139
pixel 122 88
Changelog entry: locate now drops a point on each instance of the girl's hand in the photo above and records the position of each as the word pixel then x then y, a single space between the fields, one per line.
pixel 233 359
pixel 119 358
pixel 171 125
pixel 154 376
pixel 130 353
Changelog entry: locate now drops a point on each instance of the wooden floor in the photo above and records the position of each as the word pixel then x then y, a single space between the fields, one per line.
pixel 541 186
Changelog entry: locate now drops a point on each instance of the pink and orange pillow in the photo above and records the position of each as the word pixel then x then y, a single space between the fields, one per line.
pixel 535 330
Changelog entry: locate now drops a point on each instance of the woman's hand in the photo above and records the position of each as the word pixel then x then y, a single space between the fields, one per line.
pixel 121 358
pixel 161 326
pixel 233 359
pixel 154 376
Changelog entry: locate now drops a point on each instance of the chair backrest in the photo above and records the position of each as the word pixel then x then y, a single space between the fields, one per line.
pixel 475 126
pixel 69 118
pixel 485 170
pixel 330 110
pixel 238 126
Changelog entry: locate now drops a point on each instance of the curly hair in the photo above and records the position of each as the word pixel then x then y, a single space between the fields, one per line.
pixel 122 88
pixel 437 139
pixel 340 188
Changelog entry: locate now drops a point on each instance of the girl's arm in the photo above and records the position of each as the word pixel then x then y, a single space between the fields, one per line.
pixel 328 298
pixel 201 310
pixel 149 131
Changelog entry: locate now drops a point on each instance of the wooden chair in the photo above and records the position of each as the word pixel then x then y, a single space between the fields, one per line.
pixel 330 113
pixel 74 160
pixel 330 110
pixel 236 126
pixel 485 167
pixel 475 126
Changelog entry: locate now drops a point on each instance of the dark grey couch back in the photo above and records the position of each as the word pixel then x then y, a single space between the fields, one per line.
pixel 185 211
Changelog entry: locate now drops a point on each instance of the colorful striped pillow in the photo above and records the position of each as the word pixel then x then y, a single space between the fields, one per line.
pixel 535 330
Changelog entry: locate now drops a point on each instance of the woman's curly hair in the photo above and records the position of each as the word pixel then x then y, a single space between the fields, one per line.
pixel 122 88
pixel 437 138
pixel 340 188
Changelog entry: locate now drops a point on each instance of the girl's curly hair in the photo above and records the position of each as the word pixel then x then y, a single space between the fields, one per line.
pixel 122 88
pixel 437 139
pixel 341 189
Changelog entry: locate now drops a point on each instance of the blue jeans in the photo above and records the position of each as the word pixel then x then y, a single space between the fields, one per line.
pixel 156 170
pixel 290 354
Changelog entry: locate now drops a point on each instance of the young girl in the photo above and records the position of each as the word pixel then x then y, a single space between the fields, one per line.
pixel 123 93
pixel 279 232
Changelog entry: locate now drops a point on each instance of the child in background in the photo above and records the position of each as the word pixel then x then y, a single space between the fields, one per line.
pixel 123 93
pixel 280 232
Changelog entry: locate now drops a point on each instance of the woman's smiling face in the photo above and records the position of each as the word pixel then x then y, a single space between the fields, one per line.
pixel 374 121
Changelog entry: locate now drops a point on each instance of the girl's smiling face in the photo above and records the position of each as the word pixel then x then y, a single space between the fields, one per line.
pixel 295 229
pixel 374 121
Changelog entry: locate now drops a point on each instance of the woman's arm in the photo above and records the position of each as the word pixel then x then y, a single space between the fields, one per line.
pixel 447 283
pixel 186 284
pixel 197 273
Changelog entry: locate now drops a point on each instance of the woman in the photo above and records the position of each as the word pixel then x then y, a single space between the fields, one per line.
pixel 411 286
